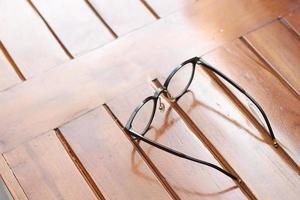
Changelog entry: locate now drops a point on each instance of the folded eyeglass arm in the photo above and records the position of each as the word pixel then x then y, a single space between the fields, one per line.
pixel 179 154
pixel 203 63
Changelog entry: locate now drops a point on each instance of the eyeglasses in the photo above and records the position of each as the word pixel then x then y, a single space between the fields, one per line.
pixel 175 86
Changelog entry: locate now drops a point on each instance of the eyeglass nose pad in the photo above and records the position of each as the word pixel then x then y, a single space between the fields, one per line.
pixel 161 106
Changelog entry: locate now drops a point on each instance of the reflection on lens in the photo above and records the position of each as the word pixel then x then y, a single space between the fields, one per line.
pixel 143 117
pixel 180 80
pixel 257 114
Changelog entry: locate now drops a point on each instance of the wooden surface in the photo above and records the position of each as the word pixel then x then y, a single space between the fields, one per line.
pixel 110 158
pixel 278 37
pixel 293 19
pixel 72 89
pixel 10 180
pixel 79 33
pixel 235 138
pixel 27 39
pixel 162 8
pixel 121 22
pixel 8 76
pixel 277 100
pixel 55 176
pixel 61 60
pixel 169 129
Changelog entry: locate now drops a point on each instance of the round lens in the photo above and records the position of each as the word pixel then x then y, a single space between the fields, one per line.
pixel 143 117
pixel 180 80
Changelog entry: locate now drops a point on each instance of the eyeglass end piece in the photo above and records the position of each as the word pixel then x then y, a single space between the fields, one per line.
pixel 275 144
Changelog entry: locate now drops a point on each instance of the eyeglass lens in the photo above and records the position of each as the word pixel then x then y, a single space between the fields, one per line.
pixel 143 117
pixel 180 80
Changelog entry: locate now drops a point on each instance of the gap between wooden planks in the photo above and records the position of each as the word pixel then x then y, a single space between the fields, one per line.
pixel 79 128
pixel 69 90
pixel 259 190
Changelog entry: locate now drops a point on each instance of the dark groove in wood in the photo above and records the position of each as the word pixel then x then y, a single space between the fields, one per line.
pixel 290 27
pixel 212 149
pixel 90 5
pixel 51 30
pixel 15 178
pixel 286 22
pixel 89 180
pixel 261 26
pixel 9 189
pixel 144 156
pixel 279 150
pixel 12 62
pixel 269 66
pixel 151 10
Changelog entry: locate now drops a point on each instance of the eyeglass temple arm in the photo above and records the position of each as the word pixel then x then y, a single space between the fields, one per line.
pixel 208 66
pixel 179 154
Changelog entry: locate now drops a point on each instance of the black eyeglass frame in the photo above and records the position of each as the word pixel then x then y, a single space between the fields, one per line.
pixel 164 90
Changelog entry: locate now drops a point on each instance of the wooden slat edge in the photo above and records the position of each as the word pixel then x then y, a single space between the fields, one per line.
pixel 151 165
pixel 11 181
pixel 85 174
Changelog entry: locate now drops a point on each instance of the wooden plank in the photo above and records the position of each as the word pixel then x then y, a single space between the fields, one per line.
pixel 4 191
pixel 123 17
pixel 78 86
pixel 111 160
pixel 45 170
pixel 169 129
pixel 293 20
pixel 10 181
pixel 163 8
pixel 269 42
pixel 75 24
pixel 27 39
pixel 280 104
pixel 8 76
pixel 264 170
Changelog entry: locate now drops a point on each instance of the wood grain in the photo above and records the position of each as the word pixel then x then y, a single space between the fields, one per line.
pixel 45 171
pixel 91 158
pixel 110 158
pixel 169 129
pixel 279 103
pixel 8 76
pixel 281 54
pixel 123 17
pixel 80 85
pixel 11 181
pixel 163 8
pixel 250 153
pixel 75 24
pixel 27 39
pixel 293 20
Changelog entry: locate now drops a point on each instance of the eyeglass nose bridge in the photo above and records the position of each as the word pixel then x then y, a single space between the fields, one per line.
pixel 163 90
pixel 158 92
